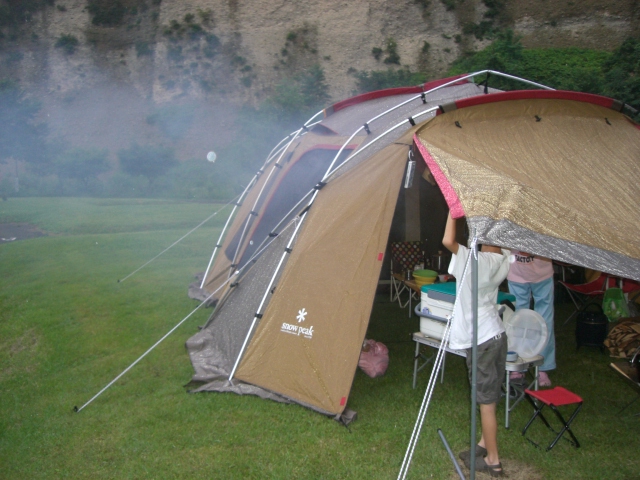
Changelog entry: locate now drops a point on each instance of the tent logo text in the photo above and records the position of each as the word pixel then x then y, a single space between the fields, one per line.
pixel 298 329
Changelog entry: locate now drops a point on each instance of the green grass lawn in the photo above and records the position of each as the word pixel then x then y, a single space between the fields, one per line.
pixel 67 328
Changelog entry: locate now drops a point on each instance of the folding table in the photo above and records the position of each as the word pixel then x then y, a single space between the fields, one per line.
pixel 520 365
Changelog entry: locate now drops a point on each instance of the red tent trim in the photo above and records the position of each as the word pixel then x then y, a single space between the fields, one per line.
pixel 533 94
pixel 450 196
pixel 388 92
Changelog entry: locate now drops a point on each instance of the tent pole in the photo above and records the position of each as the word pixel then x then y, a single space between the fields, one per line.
pixel 281 151
pixel 474 355
pixel 259 197
pixel 264 297
pixel 224 229
pixel 277 150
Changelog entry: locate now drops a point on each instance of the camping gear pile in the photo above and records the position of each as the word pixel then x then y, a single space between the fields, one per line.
pixel 534 170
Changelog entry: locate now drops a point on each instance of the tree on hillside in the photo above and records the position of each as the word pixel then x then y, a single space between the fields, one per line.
pixel 622 74
pixel 295 99
pixel 381 79
pixel 150 161
pixel 314 88
pixel 21 136
pixel 572 68
pixel 16 12
pixel 505 54
pixel 82 164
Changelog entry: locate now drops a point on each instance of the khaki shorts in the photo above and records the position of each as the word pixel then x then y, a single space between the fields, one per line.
pixel 492 359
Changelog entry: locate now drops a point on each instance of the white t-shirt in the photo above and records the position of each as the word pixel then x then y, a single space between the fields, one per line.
pixel 492 270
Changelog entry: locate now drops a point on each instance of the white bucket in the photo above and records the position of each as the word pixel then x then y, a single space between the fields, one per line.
pixel 526 333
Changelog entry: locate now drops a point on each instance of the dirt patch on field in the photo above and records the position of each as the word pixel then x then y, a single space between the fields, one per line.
pixel 513 470
pixel 12 232
pixel 18 353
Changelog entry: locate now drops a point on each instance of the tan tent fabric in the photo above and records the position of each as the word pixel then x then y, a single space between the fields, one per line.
pixel 263 189
pixel 333 269
pixel 572 173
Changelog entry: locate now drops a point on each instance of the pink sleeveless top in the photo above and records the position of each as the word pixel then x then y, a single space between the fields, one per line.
pixel 529 268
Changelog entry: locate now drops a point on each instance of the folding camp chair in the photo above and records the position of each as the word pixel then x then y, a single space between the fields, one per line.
pixel 404 256
pixel 554 398
pixel 585 293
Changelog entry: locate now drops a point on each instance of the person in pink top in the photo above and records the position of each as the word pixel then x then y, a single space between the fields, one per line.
pixel 532 276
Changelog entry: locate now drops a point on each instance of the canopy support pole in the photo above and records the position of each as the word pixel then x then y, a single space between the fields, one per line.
pixel 474 356
pixel 415 435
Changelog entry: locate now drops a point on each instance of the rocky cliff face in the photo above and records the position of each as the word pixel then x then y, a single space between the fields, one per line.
pixel 219 53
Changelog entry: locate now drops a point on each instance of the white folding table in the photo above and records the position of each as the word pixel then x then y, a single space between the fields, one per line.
pixel 521 365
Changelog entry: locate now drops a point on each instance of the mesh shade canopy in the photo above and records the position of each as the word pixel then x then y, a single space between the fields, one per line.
pixel 552 176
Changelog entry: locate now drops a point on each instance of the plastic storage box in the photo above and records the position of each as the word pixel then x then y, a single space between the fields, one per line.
pixel 441 294
pixel 432 326
pixel 436 304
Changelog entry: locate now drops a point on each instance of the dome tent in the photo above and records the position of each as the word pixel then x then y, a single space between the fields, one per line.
pixel 281 333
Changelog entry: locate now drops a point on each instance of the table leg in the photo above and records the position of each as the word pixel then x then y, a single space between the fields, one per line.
pixel 506 401
pixel 415 364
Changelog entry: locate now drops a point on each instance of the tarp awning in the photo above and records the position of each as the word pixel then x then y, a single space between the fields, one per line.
pixel 557 174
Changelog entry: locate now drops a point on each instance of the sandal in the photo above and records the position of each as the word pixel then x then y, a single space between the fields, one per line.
pixel 466 455
pixel 493 470
pixel 543 379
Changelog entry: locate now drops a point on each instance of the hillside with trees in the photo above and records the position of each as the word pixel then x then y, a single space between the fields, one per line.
pixel 126 97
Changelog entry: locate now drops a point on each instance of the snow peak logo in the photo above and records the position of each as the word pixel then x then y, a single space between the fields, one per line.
pixel 298 330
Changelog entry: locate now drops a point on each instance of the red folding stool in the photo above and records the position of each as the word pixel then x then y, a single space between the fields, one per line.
pixel 554 397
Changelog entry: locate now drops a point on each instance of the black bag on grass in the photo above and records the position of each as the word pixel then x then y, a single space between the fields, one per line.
pixel 591 327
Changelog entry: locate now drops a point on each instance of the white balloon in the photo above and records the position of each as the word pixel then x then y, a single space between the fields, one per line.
pixel 211 156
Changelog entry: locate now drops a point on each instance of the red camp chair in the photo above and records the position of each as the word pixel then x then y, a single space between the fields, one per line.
pixel 585 293
pixel 554 398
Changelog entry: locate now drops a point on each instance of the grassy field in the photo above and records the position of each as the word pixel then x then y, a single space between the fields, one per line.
pixel 67 328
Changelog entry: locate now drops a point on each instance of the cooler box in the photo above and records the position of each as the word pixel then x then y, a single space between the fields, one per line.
pixel 437 301
pixel 433 327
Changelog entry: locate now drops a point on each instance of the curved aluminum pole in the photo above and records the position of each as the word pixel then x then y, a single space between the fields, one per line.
pixel 233 211
pixel 265 295
pixel 224 229
pixel 258 198
pixel 293 136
